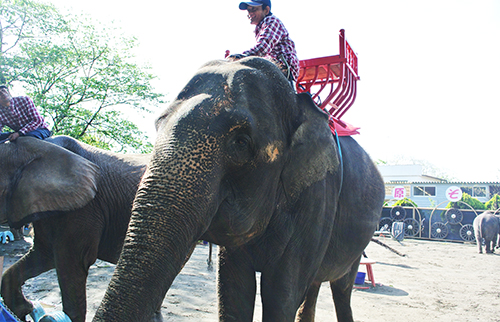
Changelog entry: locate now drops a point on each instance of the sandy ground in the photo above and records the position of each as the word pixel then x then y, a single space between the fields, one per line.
pixel 435 281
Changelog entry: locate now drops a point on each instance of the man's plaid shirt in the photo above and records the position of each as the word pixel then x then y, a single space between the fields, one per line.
pixel 22 116
pixel 273 41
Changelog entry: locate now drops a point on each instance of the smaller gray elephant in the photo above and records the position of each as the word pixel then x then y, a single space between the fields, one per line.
pixel 487 227
pixel 79 199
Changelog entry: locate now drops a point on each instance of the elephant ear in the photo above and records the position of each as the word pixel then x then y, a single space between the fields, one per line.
pixel 56 179
pixel 313 151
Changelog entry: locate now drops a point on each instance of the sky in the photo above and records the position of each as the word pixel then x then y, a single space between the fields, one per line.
pixel 429 69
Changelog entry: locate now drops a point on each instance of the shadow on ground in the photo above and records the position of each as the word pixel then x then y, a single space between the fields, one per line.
pixel 384 290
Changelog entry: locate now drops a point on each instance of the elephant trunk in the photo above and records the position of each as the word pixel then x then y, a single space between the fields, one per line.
pixel 166 223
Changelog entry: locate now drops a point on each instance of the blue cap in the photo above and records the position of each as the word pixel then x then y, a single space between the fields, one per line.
pixel 255 3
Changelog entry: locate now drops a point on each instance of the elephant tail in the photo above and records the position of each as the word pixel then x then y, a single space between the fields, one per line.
pixel 388 247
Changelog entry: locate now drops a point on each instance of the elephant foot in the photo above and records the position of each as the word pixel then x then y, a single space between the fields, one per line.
pixel 24 310
pixel 21 308
pixel 157 317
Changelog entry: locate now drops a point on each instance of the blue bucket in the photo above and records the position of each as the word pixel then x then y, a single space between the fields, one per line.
pixel 360 278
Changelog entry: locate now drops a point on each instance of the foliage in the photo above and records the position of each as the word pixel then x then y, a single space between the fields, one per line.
pixel 493 203
pixel 80 77
pixel 467 199
pixel 22 20
pixel 405 202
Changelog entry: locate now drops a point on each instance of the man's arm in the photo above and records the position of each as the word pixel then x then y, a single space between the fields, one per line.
pixel 271 34
pixel 33 119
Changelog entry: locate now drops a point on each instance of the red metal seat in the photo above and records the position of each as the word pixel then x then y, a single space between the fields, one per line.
pixel 333 76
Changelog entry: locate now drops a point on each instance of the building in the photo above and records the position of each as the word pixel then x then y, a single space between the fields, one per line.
pixel 427 191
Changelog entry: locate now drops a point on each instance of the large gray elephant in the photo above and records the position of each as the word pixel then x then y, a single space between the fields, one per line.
pixel 243 162
pixel 79 199
pixel 487 227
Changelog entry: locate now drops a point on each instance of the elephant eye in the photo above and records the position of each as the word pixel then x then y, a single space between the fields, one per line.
pixel 240 150
pixel 241 141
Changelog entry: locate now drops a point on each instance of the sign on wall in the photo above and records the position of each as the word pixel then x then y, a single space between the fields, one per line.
pixel 454 193
pixel 398 192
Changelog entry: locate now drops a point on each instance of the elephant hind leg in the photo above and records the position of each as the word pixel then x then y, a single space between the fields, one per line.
pixel 341 292
pixel 307 310
pixel 34 263
pixel 479 241
pixel 489 248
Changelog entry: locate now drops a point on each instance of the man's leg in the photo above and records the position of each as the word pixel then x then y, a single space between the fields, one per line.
pixel 4 136
pixel 40 133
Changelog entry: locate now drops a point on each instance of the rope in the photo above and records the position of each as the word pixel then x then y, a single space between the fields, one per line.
pixel 335 134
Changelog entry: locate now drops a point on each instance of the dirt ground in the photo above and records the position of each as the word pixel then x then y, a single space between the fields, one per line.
pixel 435 281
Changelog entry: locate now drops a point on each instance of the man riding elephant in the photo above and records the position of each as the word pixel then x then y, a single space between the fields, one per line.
pixel 273 39
pixel 20 114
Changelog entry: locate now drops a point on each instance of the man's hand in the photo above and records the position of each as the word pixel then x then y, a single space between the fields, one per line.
pixel 13 136
pixel 236 57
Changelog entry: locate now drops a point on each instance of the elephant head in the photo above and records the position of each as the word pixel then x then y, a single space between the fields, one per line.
pixel 235 153
pixel 38 178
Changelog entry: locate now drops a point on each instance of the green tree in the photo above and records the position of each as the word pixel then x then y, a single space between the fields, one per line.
pixel 405 202
pixel 20 21
pixel 466 198
pixel 80 77
pixel 493 203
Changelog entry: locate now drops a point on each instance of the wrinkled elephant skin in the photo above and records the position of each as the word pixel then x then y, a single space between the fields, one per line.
pixel 79 199
pixel 242 161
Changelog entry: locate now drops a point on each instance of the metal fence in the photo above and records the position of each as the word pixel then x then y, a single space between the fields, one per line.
pixel 431 223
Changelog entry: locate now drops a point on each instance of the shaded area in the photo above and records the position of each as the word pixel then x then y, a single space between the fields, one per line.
pixel 384 290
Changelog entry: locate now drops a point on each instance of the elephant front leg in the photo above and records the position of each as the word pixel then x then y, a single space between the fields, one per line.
pixel 72 276
pixel 236 286
pixel 34 263
pixel 73 293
